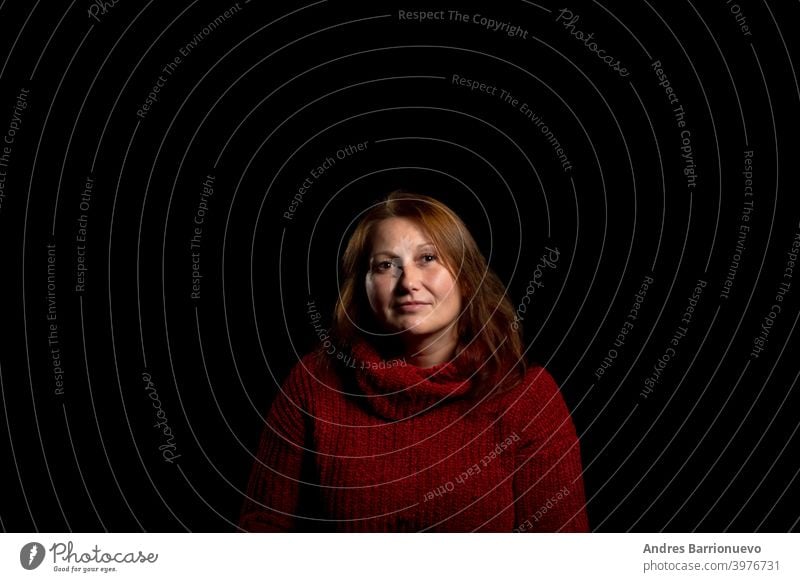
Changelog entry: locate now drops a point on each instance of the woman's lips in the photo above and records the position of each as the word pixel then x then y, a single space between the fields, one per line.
pixel 411 306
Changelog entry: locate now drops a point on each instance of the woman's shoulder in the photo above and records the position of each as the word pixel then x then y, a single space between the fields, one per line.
pixel 536 397
pixel 537 383
pixel 312 369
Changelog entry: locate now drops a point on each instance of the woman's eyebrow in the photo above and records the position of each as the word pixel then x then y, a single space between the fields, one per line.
pixel 391 254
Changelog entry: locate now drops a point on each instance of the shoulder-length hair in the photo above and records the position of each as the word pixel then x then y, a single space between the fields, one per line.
pixel 487 341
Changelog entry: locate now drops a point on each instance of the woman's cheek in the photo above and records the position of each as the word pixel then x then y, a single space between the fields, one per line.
pixel 442 281
pixel 372 293
pixel 379 293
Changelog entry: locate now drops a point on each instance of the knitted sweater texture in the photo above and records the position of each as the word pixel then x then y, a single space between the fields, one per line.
pixel 392 447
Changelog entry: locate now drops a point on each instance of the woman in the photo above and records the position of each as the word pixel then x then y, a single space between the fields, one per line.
pixel 422 415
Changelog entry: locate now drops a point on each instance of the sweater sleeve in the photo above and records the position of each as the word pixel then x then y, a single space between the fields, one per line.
pixel 274 485
pixel 548 483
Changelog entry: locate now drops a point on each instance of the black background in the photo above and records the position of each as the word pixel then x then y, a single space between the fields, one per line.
pixel 265 98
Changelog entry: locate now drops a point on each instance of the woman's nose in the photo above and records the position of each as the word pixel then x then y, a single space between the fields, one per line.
pixel 409 277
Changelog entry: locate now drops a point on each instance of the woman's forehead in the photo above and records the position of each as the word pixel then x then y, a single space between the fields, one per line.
pixel 397 231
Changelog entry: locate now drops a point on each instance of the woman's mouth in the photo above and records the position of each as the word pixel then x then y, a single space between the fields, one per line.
pixel 411 306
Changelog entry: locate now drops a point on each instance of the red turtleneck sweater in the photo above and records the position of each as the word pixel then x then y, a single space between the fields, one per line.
pixel 394 447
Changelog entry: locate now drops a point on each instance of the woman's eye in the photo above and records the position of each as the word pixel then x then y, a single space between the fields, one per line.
pixel 428 258
pixel 384 265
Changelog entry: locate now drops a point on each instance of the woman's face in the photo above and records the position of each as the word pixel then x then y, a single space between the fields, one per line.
pixel 409 288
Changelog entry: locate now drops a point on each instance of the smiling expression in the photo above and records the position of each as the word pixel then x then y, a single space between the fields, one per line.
pixel 410 289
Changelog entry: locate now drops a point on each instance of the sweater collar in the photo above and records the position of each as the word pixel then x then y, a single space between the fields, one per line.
pixel 397 390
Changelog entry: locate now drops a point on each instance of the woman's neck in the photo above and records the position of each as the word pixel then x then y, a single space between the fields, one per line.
pixel 428 351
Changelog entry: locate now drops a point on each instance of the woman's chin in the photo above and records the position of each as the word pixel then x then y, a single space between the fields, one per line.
pixel 413 328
